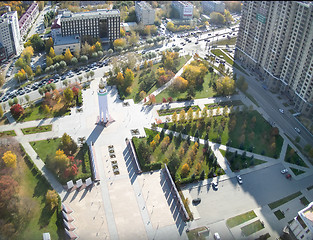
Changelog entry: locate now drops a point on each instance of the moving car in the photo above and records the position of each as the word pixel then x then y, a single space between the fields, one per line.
pixel 284 171
pixel 288 176
pixel 297 130
pixel 239 179
pixel 281 110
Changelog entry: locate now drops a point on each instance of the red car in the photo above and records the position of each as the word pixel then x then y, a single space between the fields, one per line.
pixel 288 176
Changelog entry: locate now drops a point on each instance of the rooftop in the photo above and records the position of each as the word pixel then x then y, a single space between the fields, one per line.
pixel 97 12
pixel 306 215
pixel 185 3
pixel 144 5
pixel 59 40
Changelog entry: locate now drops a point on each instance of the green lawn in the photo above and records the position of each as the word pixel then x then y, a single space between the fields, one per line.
pixel 135 86
pixel 38 129
pixel 279 214
pixel 41 219
pixel 284 200
pixel 8 133
pixel 252 228
pixel 170 111
pixel 219 52
pixel 223 104
pixel 231 41
pixel 193 234
pixel 206 91
pixel 235 221
pixel 35 113
pixel 253 136
pixel 171 155
pixel 46 147
pixel 238 162
pixel 310 188
pixel 297 171
pixel 293 157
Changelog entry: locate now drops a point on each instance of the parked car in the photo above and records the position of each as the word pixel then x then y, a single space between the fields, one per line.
pixel 281 110
pixel 239 179
pixel 196 200
pixel 288 176
pixel 215 186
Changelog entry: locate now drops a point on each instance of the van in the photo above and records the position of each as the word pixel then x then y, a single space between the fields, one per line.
pixel 217 236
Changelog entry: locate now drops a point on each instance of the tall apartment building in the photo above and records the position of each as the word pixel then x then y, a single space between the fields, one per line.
pixel 184 9
pixel 28 18
pixel 9 33
pixel 302 225
pixel 213 6
pixel 100 23
pixel 145 13
pixel 275 40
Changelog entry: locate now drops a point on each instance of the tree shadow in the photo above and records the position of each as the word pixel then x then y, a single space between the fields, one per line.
pixel 45 216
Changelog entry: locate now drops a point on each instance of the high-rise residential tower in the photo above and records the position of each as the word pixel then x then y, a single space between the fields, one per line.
pixel 275 40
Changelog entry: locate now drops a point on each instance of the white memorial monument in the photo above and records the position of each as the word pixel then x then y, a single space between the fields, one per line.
pixel 103 102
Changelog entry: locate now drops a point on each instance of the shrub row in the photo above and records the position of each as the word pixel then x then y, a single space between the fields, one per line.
pixel 80 98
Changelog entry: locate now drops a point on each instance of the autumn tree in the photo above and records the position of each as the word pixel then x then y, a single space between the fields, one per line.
pixel 180 83
pixel 129 78
pixel 225 86
pixel 182 116
pixel 16 110
pixel 68 95
pixel 153 144
pixel 49 44
pixel 217 18
pixel 164 144
pixel 9 159
pixel 68 56
pixel 49 61
pixel 190 115
pixel 61 161
pixel 174 117
pixel 120 42
pixel 51 53
pixel 8 188
pixel 157 139
pixel 185 170
pixel 52 199
pixel 98 46
pixel 1 111
pixel 68 144
pixel 204 112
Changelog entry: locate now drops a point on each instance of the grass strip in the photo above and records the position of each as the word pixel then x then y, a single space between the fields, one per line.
pixel 252 99
pixel 310 188
pixel 170 111
pixel 297 171
pixel 8 133
pixel 193 234
pixel 304 201
pixel 38 129
pixel 252 228
pixel 235 221
pixel 293 157
pixel 223 104
pixel 284 200
pixel 279 214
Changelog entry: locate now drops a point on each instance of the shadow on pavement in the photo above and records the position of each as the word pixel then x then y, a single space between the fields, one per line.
pixel 131 168
pixel 173 204
pixel 95 134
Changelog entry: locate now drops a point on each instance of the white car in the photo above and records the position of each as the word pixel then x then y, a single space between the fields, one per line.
pixel 297 130
pixel 284 171
pixel 239 179
pixel 281 110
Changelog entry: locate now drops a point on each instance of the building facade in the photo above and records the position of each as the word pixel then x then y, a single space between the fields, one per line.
pixel 213 6
pixel 62 43
pixel 275 40
pixel 10 37
pixel 145 13
pixel 302 225
pixel 28 18
pixel 100 23
pixel 184 9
